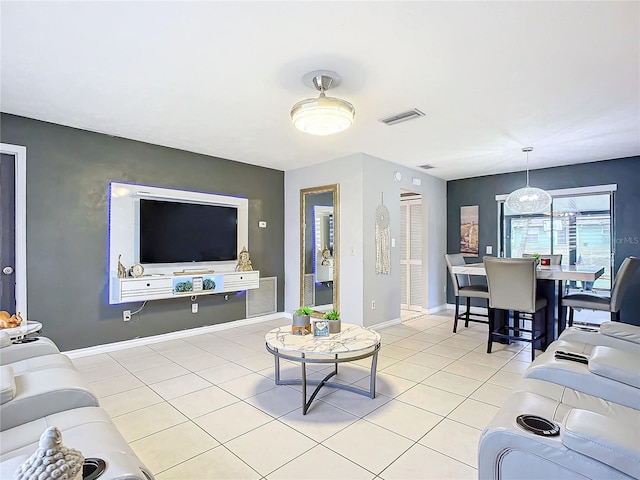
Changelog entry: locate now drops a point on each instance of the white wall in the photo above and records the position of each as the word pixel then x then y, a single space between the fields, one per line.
pixel 385 289
pixel 347 172
pixel 362 180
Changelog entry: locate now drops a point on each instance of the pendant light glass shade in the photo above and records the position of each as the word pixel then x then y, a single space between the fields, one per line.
pixel 528 200
pixel 323 115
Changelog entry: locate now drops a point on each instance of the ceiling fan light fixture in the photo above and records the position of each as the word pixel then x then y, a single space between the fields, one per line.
pixel 528 200
pixel 323 115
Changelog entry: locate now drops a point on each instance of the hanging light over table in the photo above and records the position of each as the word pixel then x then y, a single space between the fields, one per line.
pixel 528 199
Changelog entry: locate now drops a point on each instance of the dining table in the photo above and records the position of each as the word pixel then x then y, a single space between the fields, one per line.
pixel 551 281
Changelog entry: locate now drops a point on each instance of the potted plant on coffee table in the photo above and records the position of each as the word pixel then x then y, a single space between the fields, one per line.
pixel 335 324
pixel 301 321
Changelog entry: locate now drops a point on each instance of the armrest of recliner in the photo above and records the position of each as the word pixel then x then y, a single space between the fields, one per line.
pixel 623 331
pixel 21 351
pixel 7 384
pixel 615 364
pixel 604 439
pixel 45 392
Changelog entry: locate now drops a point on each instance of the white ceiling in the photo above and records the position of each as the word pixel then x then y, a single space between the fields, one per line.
pixel 220 78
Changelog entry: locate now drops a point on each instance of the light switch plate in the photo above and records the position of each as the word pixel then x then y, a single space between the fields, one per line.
pixel 489 250
pixel 262 224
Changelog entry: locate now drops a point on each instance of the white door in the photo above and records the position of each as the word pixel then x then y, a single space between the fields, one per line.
pixel 411 254
pixel 13 244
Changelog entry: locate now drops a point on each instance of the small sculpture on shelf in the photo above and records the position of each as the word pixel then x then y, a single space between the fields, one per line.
pixel 122 272
pixel 10 321
pixel 326 254
pixel 244 263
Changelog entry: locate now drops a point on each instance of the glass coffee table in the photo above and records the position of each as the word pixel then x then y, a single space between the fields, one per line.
pixel 352 343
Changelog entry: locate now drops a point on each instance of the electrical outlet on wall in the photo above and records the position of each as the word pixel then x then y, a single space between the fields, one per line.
pixel 126 315
pixel 373 304
pixel 194 308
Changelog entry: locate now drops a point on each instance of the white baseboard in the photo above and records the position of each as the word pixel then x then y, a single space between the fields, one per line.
pixel 394 321
pixel 137 342
pixel 433 310
pixel 480 310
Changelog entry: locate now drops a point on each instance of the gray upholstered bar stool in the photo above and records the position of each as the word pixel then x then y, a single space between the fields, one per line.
pixel 462 287
pixel 611 304
pixel 513 287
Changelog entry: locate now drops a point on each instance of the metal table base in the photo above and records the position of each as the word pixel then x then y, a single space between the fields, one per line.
pixel 303 359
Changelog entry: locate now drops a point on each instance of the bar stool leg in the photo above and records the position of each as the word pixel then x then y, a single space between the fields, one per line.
pixel 466 323
pixel 492 313
pixel 455 317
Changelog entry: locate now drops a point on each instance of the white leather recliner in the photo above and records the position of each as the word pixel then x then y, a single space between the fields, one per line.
pixel 607 373
pixel 610 334
pixel 31 347
pixel 87 429
pixel 30 395
pixel 568 419
pixel 589 443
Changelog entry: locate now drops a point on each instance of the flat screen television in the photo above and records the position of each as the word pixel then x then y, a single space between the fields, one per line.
pixel 177 232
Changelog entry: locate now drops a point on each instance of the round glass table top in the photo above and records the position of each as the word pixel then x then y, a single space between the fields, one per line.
pixel 352 338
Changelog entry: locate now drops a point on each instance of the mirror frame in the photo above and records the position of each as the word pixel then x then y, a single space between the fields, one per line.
pixel 335 189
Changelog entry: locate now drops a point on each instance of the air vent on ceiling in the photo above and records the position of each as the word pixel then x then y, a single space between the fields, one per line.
pixel 426 166
pixel 402 117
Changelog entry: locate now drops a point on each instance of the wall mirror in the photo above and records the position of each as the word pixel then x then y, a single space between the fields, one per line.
pixel 319 248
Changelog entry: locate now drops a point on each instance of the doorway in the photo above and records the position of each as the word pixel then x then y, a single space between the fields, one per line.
pixel 13 265
pixel 410 255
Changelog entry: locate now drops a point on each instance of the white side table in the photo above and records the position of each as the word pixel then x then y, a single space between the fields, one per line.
pixel 27 328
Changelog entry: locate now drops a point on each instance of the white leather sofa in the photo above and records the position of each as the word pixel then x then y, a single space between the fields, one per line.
pixel 590 444
pixel 594 407
pixel 87 429
pixel 40 387
pixel 13 352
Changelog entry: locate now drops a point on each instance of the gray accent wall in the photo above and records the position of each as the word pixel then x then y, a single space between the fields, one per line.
pixel 68 171
pixel 481 191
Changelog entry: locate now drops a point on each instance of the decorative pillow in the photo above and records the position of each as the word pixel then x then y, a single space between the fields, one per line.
pixel 52 460
pixel 7 384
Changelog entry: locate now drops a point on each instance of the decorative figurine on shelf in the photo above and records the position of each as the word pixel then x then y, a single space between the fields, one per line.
pixel 325 256
pixel 10 321
pixel 122 272
pixel 52 460
pixel 244 264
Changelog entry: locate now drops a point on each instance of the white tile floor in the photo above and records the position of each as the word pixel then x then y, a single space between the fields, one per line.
pixel 206 407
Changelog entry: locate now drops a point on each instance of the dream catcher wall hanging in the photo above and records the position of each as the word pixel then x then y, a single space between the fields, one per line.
pixel 383 239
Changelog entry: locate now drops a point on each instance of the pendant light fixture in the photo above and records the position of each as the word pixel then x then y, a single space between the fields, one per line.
pixel 528 199
pixel 323 115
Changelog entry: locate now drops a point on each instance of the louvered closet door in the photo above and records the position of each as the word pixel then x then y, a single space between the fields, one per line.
pixel 404 297
pixel 411 255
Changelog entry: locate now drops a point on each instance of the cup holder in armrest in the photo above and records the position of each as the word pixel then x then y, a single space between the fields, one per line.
pixel 26 340
pixel 93 468
pixel 538 425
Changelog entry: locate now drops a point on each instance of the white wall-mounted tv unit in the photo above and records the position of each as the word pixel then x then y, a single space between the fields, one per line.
pixel 168 230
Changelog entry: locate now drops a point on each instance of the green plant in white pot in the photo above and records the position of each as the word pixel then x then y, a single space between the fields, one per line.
pixel 301 321
pixel 335 325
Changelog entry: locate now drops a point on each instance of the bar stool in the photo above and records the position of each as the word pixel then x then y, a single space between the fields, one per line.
pixel 610 304
pixel 462 287
pixel 512 287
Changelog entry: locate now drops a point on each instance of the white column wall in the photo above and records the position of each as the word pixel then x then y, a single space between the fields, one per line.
pixel 362 179
pixel 347 172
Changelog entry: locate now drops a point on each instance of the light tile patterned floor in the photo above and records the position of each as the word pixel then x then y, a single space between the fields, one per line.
pixel 206 407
